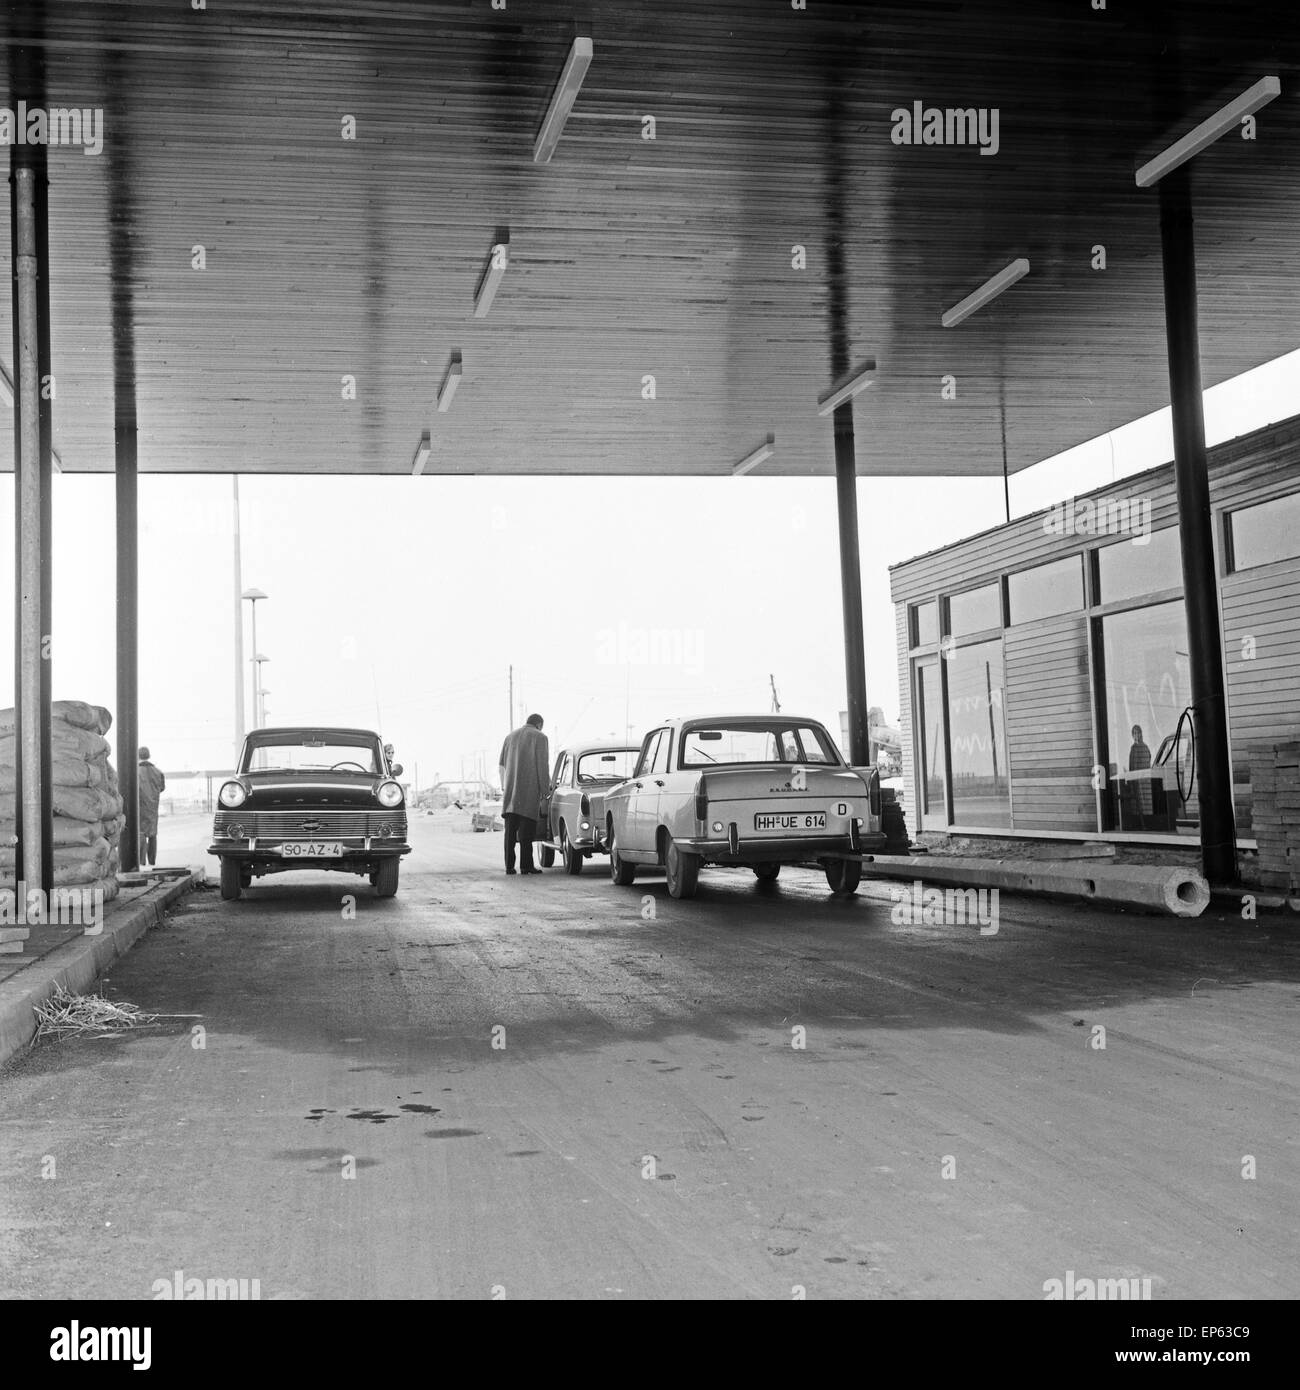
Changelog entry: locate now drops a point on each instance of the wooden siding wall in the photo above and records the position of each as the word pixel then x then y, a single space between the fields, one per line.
pixel 1049 703
pixel 1264 690
pixel 1049 725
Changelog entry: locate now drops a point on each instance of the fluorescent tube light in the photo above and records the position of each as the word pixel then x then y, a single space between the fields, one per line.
pixel 450 381
pixel 486 290
pixel 990 289
pixel 837 395
pixel 760 455
pixel 562 99
pixel 1200 137
pixel 421 455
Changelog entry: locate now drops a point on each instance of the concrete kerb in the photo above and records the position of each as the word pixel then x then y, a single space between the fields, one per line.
pixel 1149 888
pixel 78 963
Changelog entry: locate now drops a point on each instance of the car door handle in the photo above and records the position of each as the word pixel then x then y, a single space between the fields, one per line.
pixel 658 783
pixel 637 785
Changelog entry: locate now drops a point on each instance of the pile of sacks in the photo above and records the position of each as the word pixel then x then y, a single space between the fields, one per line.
pixel 88 817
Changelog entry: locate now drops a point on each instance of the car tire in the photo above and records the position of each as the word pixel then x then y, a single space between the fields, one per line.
pixel 385 877
pixel 620 872
pixel 843 875
pixel 545 856
pixel 683 871
pixel 231 880
pixel 572 858
pixel 766 873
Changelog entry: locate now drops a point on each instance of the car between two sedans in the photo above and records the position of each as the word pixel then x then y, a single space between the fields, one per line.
pixel 761 790
pixel 574 822
pixel 311 798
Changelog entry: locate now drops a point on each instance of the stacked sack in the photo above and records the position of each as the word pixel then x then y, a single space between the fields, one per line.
pixel 88 817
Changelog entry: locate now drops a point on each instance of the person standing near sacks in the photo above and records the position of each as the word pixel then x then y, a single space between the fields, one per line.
pixel 525 774
pixel 151 785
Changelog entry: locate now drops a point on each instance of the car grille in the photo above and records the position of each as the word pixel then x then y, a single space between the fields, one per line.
pixel 329 825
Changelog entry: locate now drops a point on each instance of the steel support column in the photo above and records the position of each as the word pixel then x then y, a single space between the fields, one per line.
pixel 855 661
pixel 128 629
pixel 1196 533
pixel 32 525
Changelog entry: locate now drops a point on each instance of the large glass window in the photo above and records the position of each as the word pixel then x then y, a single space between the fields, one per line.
pixel 981 786
pixel 929 724
pixel 1144 565
pixel 1046 590
pixel 975 610
pixel 1265 533
pixel 925 624
pixel 1147 687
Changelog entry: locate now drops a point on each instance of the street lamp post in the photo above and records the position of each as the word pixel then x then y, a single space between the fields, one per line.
pixel 253 595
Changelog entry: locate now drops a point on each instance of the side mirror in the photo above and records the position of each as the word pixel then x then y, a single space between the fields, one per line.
pixel 397 769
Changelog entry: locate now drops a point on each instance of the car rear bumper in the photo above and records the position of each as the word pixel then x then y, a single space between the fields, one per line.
pixel 785 849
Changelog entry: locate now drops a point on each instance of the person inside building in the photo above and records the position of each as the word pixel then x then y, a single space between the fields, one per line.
pixel 151 784
pixel 525 774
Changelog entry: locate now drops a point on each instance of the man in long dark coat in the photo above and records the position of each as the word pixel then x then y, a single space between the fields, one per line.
pixel 525 776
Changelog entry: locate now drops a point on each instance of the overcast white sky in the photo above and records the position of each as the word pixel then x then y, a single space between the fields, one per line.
pixel 401 602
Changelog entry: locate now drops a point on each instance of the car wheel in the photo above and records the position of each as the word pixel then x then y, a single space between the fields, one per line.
pixel 545 856
pixel 231 880
pixel 572 857
pixel 385 877
pixel 766 873
pixel 844 875
pixel 621 873
pixel 683 871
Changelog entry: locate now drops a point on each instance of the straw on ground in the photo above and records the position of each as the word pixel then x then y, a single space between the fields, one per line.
pixel 64 1015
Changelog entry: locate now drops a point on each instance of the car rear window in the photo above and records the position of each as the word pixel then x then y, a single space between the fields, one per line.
pixel 722 744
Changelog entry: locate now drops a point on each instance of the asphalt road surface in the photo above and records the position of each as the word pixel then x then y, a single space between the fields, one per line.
pixel 552 1087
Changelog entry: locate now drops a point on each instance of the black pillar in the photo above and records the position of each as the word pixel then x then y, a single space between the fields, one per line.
pixel 846 468
pixel 128 634
pixel 1196 533
pixel 32 469
pixel 41 194
pixel 855 661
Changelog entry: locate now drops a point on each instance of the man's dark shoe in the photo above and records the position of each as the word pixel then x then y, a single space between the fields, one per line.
pixel 510 871
pixel 530 871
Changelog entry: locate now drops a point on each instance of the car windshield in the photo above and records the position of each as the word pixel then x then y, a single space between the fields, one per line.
pixel 775 742
pixel 613 765
pixel 304 753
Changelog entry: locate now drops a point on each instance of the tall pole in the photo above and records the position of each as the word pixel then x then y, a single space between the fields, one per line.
pixel 257 672
pixel 1196 532
pixel 239 630
pixel 33 727
pixel 846 466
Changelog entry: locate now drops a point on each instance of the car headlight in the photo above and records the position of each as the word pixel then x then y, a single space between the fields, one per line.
pixel 389 794
pixel 233 794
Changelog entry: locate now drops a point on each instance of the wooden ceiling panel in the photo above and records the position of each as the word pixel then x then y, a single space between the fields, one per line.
pixel 670 258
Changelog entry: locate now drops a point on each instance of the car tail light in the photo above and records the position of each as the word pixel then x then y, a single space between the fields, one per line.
pixel 873 789
pixel 233 794
pixel 585 804
pixel 389 794
pixel 701 801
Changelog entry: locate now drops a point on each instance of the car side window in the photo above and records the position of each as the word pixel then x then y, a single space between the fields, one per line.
pixel 660 763
pixel 646 760
pixel 557 777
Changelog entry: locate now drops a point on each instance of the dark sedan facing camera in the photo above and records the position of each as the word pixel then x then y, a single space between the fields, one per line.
pixel 311 798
